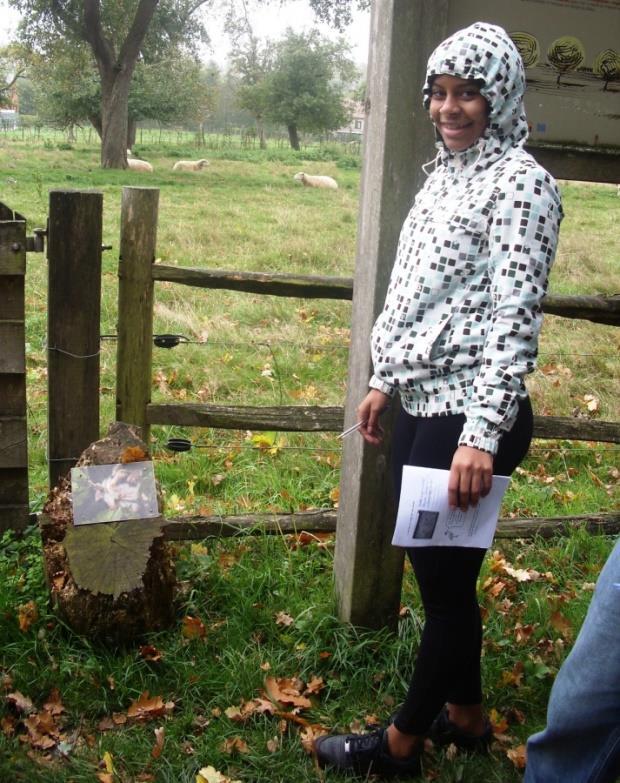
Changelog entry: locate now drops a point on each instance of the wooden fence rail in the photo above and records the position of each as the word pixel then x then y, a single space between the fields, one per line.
pixel 138 273
pixel 600 309
pixel 193 528
pixel 299 418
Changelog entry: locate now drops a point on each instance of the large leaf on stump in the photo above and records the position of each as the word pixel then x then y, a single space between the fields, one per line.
pixel 111 557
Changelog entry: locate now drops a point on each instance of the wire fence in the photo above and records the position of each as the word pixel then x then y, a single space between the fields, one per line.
pixel 212 137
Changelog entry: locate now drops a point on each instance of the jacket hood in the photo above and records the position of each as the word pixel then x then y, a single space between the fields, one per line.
pixel 485 52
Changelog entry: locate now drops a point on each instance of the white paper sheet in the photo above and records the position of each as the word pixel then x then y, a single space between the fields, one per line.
pixel 425 518
pixel 110 493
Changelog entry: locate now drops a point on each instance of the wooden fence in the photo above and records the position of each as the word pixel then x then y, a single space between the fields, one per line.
pixel 74 260
pixel 138 274
pixel 13 428
pixel 137 277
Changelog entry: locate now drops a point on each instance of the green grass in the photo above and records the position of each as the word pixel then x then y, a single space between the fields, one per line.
pixel 245 212
pixel 237 588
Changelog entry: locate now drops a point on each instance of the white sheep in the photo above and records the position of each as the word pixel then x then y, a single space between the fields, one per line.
pixel 316 180
pixel 138 165
pixel 190 165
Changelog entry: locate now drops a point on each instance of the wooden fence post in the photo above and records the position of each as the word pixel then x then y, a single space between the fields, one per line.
pixel 14 512
pixel 73 325
pixel 397 140
pixel 135 305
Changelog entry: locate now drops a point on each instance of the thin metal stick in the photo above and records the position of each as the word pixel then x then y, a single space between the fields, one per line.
pixel 351 429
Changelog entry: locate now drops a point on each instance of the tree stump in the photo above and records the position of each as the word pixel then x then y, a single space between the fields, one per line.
pixel 111 581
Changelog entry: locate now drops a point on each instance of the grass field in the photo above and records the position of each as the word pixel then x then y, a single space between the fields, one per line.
pixel 265 606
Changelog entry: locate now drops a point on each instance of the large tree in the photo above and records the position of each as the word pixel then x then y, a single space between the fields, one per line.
pixel 251 62
pixel 68 90
pixel 306 88
pixel 12 68
pixel 119 34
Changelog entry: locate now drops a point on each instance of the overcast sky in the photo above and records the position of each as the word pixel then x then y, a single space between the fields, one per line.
pixel 270 21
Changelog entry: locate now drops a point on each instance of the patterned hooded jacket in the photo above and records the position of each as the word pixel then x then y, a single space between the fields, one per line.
pixel 459 329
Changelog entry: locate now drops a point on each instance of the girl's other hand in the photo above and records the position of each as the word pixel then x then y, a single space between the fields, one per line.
pixel 471 475
pixel 368 412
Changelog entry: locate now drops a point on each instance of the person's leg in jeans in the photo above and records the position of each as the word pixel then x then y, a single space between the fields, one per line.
pixel 581 743
pixel 448 663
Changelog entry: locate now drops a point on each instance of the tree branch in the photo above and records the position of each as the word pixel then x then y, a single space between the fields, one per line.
pixel 59 12
pixel 130 48
pixel 18 75
pixel 93 35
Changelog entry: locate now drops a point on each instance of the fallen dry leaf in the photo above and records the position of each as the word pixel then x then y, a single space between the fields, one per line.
pixel 147 707
pixel 592 402
pixel 234 745
pixel 334 496
pixel 20 702
pixel 523 632
pixel 150 653
pixel 53 704
pixel 211 775
pixel 27 614
pixel 193 628
pixel 309 734
pixel 7 725
pixel 522 574
pixel 287 690
pixel 159 742
pixel 517 756
pixel 515 676
pixel 499 723
pixel 133 454
pixel 249 708
pixel 561 624
pixel 282 618
pixel 315 685
pixel 451 752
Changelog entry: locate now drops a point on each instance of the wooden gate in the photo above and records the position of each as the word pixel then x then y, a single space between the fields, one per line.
pixel 14 512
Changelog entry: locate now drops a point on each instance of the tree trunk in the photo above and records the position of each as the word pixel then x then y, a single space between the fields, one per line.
pixel 260 130
pixel 118 611
pixel 132 127
pixel 293 136
pixel 115 122
pixel 95 121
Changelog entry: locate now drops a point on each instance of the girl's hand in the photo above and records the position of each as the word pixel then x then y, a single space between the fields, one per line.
pixel 368 412
pixel 471 475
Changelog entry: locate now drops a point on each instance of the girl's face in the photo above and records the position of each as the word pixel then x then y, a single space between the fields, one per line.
pixel 458 110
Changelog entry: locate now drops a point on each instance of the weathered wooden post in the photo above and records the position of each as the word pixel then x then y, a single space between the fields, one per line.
pixel 397 141
pixel 135 305
pixel 13 429
pixel 73 325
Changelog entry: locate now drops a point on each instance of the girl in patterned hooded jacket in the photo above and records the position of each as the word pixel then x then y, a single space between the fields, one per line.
pixel 456 338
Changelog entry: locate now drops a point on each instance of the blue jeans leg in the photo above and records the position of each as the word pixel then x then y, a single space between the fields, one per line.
pixel 581 742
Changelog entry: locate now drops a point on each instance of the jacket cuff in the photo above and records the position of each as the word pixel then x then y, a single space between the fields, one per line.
pixel 479 434
pixel 377 383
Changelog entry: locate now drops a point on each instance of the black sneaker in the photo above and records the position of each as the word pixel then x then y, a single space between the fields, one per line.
pixel 364 754
pixel 444 732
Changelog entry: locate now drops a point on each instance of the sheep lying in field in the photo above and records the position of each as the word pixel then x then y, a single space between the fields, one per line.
pixel 316 180
pixel 138 165
pixel 190 165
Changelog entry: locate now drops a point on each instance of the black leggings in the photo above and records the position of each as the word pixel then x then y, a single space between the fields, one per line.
pixel 447 667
